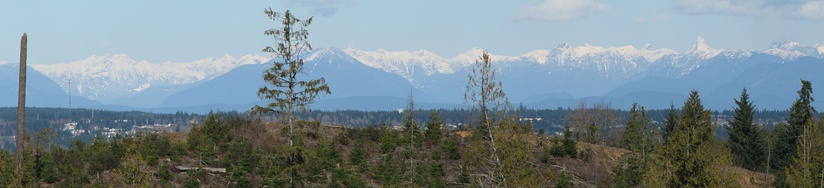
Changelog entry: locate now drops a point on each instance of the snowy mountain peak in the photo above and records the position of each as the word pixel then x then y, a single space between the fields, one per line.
pixel 702 49
pixel 701 45
pixel 321 52
pixel 423 52
pixel 793 50
pixel 785 45
pixel 404 63
pixel 653 55
pixel 474 52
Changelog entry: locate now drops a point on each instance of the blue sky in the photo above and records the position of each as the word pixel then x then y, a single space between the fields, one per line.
pixel 182 31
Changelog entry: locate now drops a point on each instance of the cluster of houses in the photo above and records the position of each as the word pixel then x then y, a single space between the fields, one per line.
pixel 109 132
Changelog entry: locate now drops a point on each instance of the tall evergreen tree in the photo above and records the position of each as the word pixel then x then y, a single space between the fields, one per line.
pixel 634 135
pixel 745 142
pixel 807 168
pixel 786 137
pixel 638 139
pixel 692 151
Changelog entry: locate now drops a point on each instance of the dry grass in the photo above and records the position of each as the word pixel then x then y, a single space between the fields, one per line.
pixel 178 137
pixel 594 172
pixel 752 179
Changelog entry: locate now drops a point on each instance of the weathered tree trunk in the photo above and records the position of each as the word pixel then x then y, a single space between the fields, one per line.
pixel 21 104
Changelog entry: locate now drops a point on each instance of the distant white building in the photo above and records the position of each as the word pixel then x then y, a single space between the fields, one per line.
pixel 72 128
pixel 531 119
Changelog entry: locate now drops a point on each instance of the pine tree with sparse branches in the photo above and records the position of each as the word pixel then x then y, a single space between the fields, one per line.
pixel 289 90
pixel 287 84
pixel 486 96
pixel 412 134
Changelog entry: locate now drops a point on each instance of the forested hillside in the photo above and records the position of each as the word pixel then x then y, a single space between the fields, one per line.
pixel 599 148
pixel 251 151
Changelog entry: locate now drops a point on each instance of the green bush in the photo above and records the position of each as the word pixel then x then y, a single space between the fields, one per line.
pixel 191 182
pixel 343 139
pixel 566 147
pixel 165 173
pixel 451 148
pixel 564 181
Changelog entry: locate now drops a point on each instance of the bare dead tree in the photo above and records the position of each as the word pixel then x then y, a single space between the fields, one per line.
pixel 486 96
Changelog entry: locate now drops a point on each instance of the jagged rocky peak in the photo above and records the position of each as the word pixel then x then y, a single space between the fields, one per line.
pixel 646 47
pixel 702 49
pixel 564 45
pixel 701 45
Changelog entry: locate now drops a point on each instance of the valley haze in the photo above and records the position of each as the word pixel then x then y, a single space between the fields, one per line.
pixel 559 77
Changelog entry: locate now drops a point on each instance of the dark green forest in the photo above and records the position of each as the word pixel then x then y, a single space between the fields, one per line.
pixel 552 120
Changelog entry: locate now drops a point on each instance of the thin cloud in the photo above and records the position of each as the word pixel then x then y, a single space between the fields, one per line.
pixel 559 10
pixel 322 7
pixel 812 10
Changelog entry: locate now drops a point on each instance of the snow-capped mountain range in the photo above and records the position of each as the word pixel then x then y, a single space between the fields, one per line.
pixel 113 76
pixel 544 78
pixel 626 59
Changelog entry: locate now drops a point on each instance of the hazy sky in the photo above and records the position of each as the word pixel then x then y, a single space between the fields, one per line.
pixel 181 31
